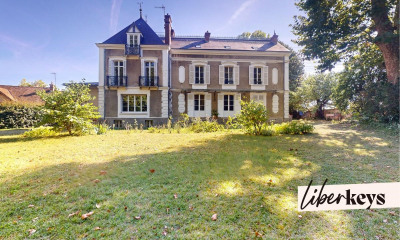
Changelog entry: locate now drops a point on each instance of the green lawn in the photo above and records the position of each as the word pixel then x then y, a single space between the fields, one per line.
pixel 42 181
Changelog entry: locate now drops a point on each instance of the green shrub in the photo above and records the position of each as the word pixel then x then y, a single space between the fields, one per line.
pixel 252 116
pixel 101 129
pixel 294 127
pixel 198 126
pixel 19 116
pixel 40 132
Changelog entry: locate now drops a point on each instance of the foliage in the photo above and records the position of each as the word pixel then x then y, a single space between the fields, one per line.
pixel 294 127
pixel 101 128
pixel 364 91
pixel 40 132
pixel 19 116
pixel 199 126
pixel 296 67
pixel 256 34
pixel 333 31
pixel 37 83
pixel 315 92
pixel 69 110
pixel 252 116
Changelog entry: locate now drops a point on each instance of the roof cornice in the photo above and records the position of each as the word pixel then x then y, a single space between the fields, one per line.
pixel 230 52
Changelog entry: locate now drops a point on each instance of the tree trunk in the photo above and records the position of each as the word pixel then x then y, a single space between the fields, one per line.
pixel 387 40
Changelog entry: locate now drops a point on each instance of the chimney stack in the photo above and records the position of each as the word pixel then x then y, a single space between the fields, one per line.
pixel 274 38
pixel 207 36
pixel 51 87
pixel 167 27
pixel 172 33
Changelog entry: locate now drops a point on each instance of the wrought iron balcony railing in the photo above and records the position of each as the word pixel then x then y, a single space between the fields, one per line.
pixel 148 81
pixel 117 81
pixel 132 49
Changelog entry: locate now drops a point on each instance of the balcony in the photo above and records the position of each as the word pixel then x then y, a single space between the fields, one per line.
pixel 132 49
pixel 148 81
pixel 117 81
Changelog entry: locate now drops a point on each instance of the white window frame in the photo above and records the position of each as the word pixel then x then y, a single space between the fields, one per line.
pixel 229 102
pixel 134 104
pixel 236 104
pixel 207 105
pixel 133 34
pixel 111 61
pixel 199 96
pixel 264 75
pixel 149 59
pixel 206 75
pixel 253 94
pixel 236 75
pixel 199 66
pixel 133 91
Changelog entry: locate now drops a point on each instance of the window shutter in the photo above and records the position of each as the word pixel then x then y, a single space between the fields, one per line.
pixel 190 103
pixel 207 103
pixel 110 67
pixel 251 75
pixel 237 103
pixel 124 62
pixel 221 74
pixel 265 75
pixel 191 74
pixel 207 68
pixel 220 105
pixel 236 74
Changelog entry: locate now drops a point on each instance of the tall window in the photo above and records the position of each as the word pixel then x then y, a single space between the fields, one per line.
pixel 257 75
pixel 134 103
pixel 119 70
pixel 228 75
pixel 135 41
pixel 199 102
pixel 228 102
pixel 199 75
pixel 131 40
pixel 149 70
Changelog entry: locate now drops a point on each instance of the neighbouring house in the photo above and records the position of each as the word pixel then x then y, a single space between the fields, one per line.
pixel 21 95
pixel 148 78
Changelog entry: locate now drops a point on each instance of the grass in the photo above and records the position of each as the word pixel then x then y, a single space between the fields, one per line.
pixel 42 181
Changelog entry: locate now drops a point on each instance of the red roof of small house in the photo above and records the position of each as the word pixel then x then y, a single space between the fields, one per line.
pixel 20 94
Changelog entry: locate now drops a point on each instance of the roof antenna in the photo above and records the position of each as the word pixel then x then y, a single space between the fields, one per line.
pixel 163 7
pixel 140 8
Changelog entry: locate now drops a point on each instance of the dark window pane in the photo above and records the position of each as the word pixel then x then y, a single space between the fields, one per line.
pixel 131 103
pixel 144 103
pixel 124 103
pixel 137 103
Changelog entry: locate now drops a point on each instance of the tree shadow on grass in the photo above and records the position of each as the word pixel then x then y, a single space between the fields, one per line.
pixel 250 182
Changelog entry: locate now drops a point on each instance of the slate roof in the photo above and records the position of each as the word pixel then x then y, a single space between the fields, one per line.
pixel 264 45
pixel 22 94
pixel 149 37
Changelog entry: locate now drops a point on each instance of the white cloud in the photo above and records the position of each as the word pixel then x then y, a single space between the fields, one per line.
pixel 240 10
pixel 115 9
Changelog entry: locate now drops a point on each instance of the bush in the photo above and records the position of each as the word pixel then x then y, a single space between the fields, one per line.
pixel 101 129
pixel 40 132
pixel 19 116
pixel 252 116
pixel 293 127
pixel 198 126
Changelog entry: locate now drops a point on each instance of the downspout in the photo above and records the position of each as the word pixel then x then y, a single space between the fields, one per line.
pixel 104 85
pixel 169 85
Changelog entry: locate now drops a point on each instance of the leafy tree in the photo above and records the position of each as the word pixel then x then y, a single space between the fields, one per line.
pixel 252 116
pixel 334 30
pixel 315 91
pixel 245 35
pixel 37 83
pixel 296 67
pixel 258 34
pixel 69 110
pixel 363 88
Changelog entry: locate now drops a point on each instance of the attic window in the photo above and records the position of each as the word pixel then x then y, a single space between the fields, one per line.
pixel 227 47
pixel 198 46
pixel 255 48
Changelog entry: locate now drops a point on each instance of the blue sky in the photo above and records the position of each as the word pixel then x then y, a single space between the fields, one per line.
pixel 40 37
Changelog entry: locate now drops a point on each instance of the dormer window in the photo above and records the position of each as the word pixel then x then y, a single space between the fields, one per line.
pixel 133 39
pixel 227 47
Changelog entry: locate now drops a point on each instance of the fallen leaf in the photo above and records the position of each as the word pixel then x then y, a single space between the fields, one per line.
pixel 35 219
pixel 216 194
pixel 97 228
pixel 190 207
pixel 258 234
pixel 31 206
pixel 96 181
pixel 125 208
pixel 152 170
pixel 167 210
pixel 31 231
pixel 164 233
pixel 393 213
pixel 175 195
pixel 103 172
pixel 86 215
pixel 214 217
pixel 300 216
pixel 98 205
pixel 138 217
pixel 385 220
pixel 73 214
pixel 270 180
